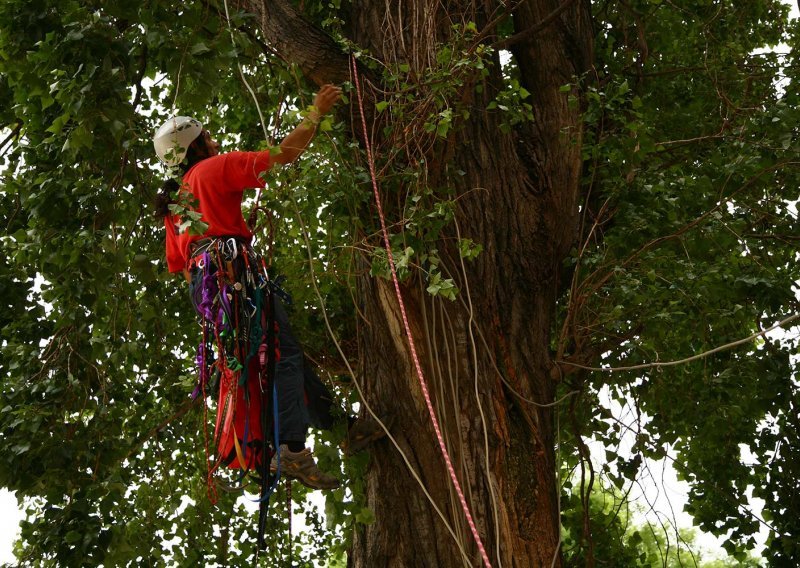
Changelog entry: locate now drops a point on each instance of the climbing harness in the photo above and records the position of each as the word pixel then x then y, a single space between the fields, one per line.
pixel 412 347
pixel 234 297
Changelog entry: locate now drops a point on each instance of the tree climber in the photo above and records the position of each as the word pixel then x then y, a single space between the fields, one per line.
pixel 227 283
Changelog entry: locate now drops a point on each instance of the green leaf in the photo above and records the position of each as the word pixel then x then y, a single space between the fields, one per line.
pixel 199 49
pixel 365 516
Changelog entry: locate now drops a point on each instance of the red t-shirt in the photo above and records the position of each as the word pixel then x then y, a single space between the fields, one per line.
pixel 218 184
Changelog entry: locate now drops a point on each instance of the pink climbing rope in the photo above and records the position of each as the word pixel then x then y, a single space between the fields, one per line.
pixel 451 470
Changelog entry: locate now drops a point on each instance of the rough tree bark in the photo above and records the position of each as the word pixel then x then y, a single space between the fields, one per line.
pixel 519 199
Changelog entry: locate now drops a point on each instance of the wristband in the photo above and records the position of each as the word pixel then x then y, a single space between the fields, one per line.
pixel 313 116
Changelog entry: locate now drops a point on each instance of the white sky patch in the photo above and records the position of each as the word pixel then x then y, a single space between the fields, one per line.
pixel 10 517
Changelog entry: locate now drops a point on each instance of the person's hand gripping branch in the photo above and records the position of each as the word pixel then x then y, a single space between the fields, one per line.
pixel 298 139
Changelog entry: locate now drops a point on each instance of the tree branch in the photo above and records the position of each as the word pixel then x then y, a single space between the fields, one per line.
pixel 525 35
pixel 702 355
pixel 300 42
pixel 13 133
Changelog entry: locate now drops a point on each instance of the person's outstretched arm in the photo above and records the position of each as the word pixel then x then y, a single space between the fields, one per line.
pixel 298 139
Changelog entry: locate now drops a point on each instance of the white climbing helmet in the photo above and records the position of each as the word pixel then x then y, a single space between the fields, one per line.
pixel 173 138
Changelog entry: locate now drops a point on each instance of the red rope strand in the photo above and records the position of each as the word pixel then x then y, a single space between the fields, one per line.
pixel 414 356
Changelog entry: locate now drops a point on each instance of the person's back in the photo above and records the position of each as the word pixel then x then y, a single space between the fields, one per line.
pixel 217 185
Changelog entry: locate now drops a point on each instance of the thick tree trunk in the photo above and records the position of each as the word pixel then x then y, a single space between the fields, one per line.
pixel 517 198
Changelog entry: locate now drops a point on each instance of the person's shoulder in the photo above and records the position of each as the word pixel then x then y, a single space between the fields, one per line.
pixel 240 155
pixel 232 159
pixel 206 165
pixel 235 169
pixel 214 161
pixel 246 161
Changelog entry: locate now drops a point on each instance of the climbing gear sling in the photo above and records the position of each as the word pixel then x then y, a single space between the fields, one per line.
pixel 233 294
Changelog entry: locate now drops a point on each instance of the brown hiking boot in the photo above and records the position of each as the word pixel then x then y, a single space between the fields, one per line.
pixel 302 467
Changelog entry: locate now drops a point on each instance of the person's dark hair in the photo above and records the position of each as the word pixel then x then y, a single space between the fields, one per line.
pixel 198 150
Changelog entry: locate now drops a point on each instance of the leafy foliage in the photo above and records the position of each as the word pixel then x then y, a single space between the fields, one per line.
pixel 95 334
pixel 688 242
pixel 620 542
